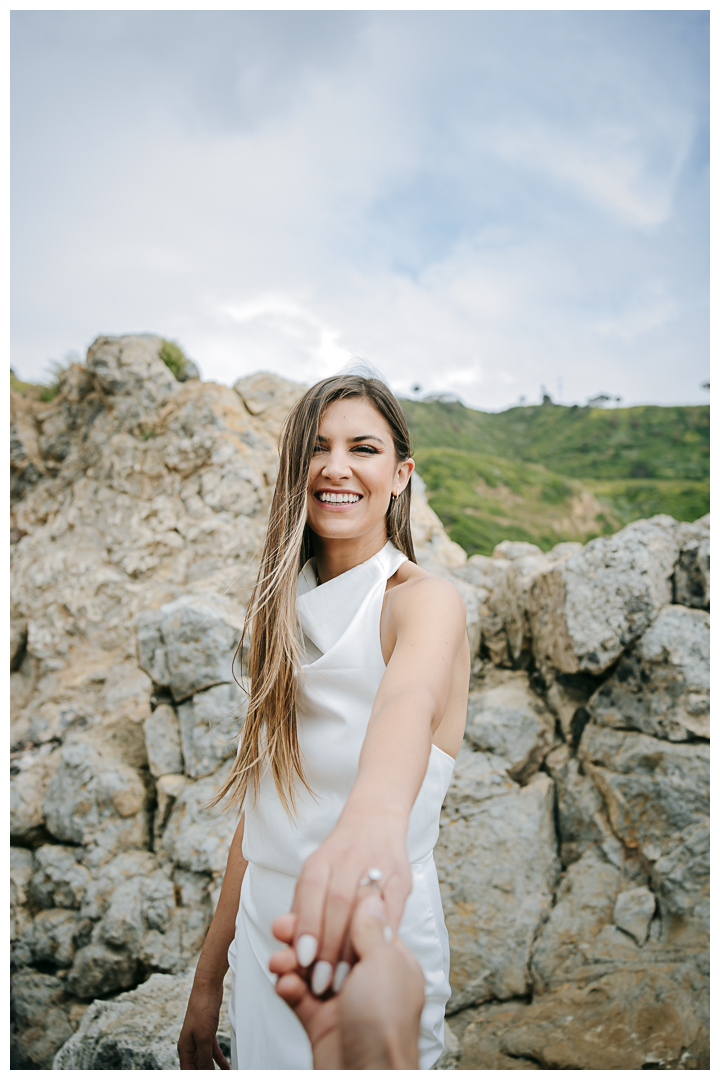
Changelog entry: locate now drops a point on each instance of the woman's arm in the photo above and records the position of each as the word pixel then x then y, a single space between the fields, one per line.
pixel 197 1044
pixel 428 616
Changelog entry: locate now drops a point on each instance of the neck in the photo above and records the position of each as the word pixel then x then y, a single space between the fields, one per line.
pixel 335 557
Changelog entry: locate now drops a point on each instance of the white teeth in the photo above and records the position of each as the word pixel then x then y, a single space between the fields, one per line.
pixel 331 497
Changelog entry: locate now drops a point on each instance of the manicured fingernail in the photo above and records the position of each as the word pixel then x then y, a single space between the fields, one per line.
pixel 387 933
pixel 340 972
pixel 321 977
pixel 306 949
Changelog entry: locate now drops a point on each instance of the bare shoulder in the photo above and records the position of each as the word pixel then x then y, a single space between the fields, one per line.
pixel 415 593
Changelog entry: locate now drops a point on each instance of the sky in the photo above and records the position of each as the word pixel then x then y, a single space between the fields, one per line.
pixel 481 203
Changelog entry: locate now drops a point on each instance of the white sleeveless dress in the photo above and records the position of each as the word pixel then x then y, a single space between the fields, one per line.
pixel 340 621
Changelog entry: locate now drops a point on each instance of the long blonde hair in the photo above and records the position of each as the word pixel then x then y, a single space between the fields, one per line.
pixel 269 734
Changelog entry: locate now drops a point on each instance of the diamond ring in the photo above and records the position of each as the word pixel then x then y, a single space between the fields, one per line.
pixel 374 877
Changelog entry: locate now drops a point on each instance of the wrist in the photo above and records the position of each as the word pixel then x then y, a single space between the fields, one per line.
pixel 365 813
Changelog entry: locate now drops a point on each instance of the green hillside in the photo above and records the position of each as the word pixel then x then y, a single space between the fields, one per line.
pixel 550 472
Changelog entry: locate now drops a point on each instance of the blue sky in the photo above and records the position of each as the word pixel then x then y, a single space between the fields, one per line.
pixel 479 202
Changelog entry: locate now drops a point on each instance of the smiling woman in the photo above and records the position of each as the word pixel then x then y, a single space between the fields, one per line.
pixel 359 665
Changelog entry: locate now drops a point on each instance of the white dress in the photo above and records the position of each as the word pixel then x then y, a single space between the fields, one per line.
pixel 340 621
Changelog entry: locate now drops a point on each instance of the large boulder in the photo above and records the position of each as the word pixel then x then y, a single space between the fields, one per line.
pixel 662 685
pixel 28 788
pixel 585 610
pixel 653 789
pixel 137 1030
pixel 60 880
pixel 130 367
pixel 195 837
pixel 210 724
pixel 162 740
pixel 49 940
pixel 96 801
pixel 647 1018
pixel 692 572
pixel 40 1023
pixel 497 864
pixel 189 644
pixel 507 719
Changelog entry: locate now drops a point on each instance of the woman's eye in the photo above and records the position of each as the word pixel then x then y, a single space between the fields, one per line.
pixel 365 449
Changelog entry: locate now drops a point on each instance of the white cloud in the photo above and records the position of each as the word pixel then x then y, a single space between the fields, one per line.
pixel 460 198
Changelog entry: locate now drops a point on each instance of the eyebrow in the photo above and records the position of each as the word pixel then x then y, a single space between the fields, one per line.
pixel 355 438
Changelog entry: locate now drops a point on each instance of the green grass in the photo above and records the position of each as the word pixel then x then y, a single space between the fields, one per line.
pixel 551 473
pixel 39 391
pixel 174 358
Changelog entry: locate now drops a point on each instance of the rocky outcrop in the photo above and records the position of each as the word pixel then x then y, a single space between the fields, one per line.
pixel 574 846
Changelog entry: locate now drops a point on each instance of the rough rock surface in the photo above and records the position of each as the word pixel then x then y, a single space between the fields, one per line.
pixel 574 843
pixel 497 864
pixel 662 685
pixel 138 1030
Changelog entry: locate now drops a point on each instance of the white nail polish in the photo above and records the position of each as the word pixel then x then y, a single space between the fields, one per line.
pixel 340 973
pixel 306 949
pixel 387 933
pixel 321 977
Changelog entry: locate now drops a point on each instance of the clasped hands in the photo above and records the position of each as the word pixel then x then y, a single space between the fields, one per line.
pixel 328 889
pixel 374 1022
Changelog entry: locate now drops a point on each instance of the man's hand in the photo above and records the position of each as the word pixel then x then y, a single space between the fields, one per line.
pixel 374 1022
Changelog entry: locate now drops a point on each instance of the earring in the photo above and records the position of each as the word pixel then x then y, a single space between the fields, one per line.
pixel 393 498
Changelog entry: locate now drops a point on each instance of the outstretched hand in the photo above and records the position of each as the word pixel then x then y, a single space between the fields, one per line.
pixel 327 891
pixel 373 1023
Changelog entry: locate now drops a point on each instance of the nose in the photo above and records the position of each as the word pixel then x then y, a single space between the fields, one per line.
pixel 337 467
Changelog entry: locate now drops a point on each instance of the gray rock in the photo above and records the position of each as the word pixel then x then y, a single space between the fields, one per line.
pixel 567 696
pixel 497 865
pixel 196 838
pixel 189 644
pixel 39 1023
pixel 653 789
pixel 232 487
pixel 652 1018
pixel 579 941
pixel 27 793
pixel 168 789
pixel 49 939
pixel 22 868
pixel 580 807
pixel 124 867
pixel 585 611
pixel 692 572
pixel 96 801
pixel 60 880
pixel 634 908
pixel 515 549
pixel 210 724
pixel 138 1030
pixel 162 739
pixel 18 641
pixel 481 1030
pixel 130 366
pixel 506 718
pixel 451 1053
pixel 662 685
pixel 681 878
pixel 100 970
pixel 264 390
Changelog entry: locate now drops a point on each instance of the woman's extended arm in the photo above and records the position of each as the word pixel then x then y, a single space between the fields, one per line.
pixel 197 1044
pixel 429 621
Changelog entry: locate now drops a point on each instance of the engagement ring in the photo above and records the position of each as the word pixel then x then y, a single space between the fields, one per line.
pixel 374 877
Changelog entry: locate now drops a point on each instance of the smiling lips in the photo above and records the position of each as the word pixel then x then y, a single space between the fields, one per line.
pixel 337 497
